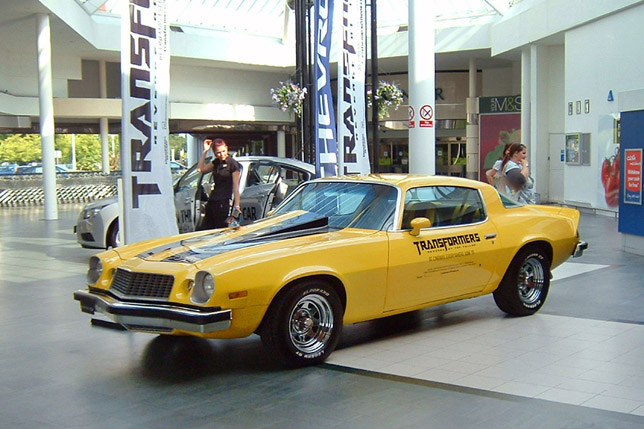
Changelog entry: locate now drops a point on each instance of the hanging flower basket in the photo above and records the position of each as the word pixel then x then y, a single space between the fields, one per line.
pixel 388 95
pixel 289 97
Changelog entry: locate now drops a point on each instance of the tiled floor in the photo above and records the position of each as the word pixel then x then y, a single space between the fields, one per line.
pixel 586 362
pixel 578 363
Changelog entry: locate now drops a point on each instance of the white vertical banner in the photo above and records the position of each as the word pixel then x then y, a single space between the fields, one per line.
pixel 326 149
pixel 148 199
pixel 353 153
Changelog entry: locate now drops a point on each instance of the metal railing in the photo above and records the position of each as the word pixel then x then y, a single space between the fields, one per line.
pixel 27 190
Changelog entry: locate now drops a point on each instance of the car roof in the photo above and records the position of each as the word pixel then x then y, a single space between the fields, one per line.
pixel 407 181
pixel 288 161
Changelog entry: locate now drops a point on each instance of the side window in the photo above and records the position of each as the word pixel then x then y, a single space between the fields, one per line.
pixel 253 177
pixel 292 177
pixel 188 180
pixel 261 173
pixel 443 206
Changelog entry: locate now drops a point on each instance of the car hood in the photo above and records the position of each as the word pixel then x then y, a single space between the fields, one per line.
pixel 198 246
pixel 102 203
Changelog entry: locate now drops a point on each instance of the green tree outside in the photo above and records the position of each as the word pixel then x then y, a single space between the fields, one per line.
pixel 26 148
pixel 178 142
pixel 21 149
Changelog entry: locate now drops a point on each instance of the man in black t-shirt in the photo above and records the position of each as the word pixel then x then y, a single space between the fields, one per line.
pixel 225 176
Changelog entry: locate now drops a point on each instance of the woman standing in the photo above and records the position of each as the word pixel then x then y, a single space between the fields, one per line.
pixel 516 181
pixel 494 174
pixel 225 176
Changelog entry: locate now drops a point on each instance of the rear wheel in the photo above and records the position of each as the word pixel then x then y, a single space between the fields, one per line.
pixel 524 287
pixel 303 325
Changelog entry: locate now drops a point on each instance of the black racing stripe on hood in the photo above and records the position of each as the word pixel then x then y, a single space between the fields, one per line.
pixel 168 246
pixel 305 224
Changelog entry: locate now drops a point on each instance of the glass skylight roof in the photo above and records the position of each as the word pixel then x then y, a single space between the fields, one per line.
pixel 268 18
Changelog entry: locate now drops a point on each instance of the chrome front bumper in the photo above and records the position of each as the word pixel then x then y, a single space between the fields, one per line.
pixel 579 249
pixel 154 317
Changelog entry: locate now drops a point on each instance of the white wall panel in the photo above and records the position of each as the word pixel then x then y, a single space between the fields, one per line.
pixel 601 56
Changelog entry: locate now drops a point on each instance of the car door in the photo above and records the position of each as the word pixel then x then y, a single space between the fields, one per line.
pixel 260 179
pixel 454 257
pixel 288 179
pixel 187 199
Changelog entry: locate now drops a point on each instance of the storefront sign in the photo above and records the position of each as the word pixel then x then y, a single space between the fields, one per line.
pixel 633 176
pixel 507 104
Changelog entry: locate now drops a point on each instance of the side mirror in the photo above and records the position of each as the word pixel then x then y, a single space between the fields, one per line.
pixel 419 223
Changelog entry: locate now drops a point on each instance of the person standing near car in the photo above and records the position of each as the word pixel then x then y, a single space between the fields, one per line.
pixel 515 180
pixel 494 174
pixel 225 177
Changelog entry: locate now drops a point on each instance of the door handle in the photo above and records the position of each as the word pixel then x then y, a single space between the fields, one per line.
pixel 490 236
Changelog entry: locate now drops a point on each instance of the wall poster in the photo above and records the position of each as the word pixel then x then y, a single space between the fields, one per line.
pixel 633 176
pixel 495 131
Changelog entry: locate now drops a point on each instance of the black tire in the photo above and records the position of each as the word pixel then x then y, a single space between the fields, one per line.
pixel 303 325
pixel 112 236
pixel 525 285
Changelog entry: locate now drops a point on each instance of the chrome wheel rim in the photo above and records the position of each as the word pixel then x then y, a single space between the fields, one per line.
pixel 531 281
pixel 311 324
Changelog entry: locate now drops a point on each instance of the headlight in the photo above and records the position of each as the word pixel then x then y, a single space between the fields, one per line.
pixel 95 270
pixel 89 213
pixel 203 288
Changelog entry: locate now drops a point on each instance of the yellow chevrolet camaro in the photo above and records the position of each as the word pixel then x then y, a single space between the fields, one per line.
pixel 337 251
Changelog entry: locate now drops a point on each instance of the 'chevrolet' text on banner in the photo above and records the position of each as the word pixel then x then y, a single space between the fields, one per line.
pixel 326 157
pixel 148 200
pixel 353 156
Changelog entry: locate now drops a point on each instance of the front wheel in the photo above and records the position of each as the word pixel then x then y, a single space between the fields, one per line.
pixel 112 238
pixel 303 325
pixel 524 287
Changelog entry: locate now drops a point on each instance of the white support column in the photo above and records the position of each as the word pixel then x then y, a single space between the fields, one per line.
pixel 526 99
pixel 472 128
pixel 193 148
pixel 422 65
pixel 281 143
pixel 103 123
pixel 539 120
pixel 46 104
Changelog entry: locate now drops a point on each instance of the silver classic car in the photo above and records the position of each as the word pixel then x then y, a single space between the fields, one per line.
pixel 265 181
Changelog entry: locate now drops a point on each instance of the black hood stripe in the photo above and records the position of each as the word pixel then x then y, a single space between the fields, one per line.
pixel 302 225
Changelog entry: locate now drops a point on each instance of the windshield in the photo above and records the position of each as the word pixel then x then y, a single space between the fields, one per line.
pixel 346 205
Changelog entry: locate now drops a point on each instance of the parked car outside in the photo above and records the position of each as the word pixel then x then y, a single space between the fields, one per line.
pixel 8 169
pixel 337 251
pixel 37 169
pixel 177 167
pixel 265 181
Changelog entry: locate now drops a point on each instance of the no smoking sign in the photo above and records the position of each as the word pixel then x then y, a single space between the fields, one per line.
pixel 426 113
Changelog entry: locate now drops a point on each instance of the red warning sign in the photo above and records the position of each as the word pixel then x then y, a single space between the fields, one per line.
pixel 412 112
pixel 426 114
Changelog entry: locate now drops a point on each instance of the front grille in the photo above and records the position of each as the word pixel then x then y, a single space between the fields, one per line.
pixel 142 285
